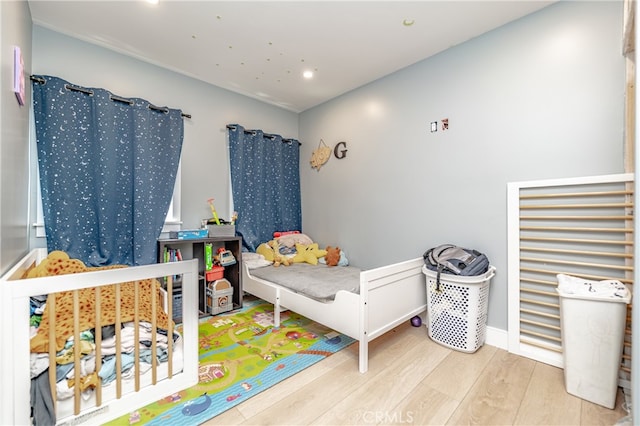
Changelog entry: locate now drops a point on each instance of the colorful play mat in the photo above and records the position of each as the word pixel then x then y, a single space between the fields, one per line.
pixel 241 355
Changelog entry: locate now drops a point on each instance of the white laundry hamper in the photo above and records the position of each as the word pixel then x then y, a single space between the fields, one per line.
pixel 592 323
pixel 457 309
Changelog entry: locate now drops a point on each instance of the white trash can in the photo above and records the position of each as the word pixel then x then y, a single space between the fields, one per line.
pixel 592 323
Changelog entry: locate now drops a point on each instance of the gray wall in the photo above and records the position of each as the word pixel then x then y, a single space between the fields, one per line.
pixel 539 98
pixel 205 164
pixel 15 30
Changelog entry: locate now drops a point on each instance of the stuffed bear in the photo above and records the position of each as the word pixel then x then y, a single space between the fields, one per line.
pixel 333 256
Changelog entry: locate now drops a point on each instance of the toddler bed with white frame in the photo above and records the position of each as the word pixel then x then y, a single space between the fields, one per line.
pixel 121 396
pixel 379 300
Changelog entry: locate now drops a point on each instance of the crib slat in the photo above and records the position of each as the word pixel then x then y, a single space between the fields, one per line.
pixel 51 306
pixel 538 344
pixel 540 324
pixel 76 352
pixel 136 333
pixel 576 218
pixel 542 335
pixel 575 263
pixel 539 303
pixel 154 336
pixel 536 281
pixel 541 314
pixel 118 342
pixel 98 340
pixel 575 206
pixel 576 229
pixel 539 292
pixel 585 276
pixel 580 252
pixel 170 331
pixel 576 194
pixel 576 240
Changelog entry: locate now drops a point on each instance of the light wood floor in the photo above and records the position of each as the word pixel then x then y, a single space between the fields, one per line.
pixel 414 381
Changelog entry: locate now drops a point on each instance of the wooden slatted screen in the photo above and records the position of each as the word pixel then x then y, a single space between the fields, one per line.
pixel 579 226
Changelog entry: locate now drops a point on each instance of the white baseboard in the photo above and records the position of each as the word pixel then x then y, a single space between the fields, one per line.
pixel 497 337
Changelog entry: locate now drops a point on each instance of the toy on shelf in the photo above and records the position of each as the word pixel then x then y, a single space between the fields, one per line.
pixel 213 211
pixel 224 257
pixel 218 227
pixel 208 256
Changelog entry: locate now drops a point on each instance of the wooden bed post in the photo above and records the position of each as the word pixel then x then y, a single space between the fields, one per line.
pixel 363 330
pixel 276 309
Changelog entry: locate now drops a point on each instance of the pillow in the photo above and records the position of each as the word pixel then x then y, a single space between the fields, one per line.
pixel 254 260
pixel 290 240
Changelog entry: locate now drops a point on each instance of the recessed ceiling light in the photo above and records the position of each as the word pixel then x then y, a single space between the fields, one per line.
pixel 307 74
pixel 408 22
pixel 153 1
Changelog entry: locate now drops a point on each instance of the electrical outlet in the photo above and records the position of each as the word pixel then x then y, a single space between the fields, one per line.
pixel 434 126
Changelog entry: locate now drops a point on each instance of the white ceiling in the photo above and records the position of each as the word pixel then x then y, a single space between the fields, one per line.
pixel 261 48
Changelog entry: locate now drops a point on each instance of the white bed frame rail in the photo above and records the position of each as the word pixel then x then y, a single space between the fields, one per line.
pixel 389 295
pixel 14 314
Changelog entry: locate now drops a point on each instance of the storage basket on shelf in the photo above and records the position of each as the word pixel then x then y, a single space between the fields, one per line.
pixel 457 309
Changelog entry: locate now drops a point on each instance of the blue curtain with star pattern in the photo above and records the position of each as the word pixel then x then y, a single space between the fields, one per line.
pixel 265 184
pixel 107 169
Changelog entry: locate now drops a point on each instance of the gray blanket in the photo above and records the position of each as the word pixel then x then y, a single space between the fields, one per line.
pixel 319 282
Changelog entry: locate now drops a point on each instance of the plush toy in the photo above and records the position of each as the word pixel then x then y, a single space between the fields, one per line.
pixel 342 261
pixel 333 256
pixel 57 263
pixel 308 253
pixel 271 252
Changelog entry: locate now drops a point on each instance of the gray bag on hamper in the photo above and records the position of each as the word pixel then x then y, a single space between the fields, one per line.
pixel 451 259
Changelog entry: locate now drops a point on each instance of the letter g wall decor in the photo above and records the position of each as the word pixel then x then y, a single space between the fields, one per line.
pixel 321 155
pixel 340 150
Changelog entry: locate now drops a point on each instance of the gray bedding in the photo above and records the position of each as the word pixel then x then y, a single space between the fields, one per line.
pixel 319 282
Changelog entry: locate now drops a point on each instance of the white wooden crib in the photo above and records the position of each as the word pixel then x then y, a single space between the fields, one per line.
pixel 119 397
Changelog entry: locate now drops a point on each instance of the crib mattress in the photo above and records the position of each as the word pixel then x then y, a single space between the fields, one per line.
pixel 319 282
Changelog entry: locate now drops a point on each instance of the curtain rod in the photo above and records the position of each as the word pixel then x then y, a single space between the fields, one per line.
pixel 266 135
pixel 112 97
